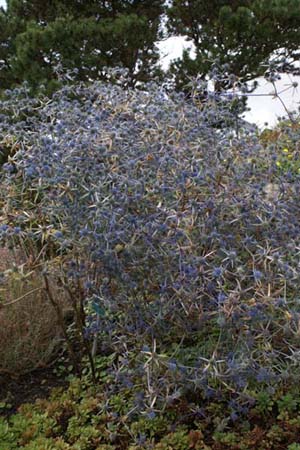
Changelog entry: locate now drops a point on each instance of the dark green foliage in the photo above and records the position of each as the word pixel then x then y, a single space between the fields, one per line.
pixel 240 33
pixel 84 37
pixel 7 31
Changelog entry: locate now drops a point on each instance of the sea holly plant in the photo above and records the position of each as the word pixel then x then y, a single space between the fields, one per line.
pixel 151 215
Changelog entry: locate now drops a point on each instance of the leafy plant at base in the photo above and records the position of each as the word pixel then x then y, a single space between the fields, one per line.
pixel 85 416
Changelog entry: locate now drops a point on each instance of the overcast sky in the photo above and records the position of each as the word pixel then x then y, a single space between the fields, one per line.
pixel 263 109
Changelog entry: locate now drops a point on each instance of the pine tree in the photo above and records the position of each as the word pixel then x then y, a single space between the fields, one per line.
pixel 7 31
pixel 241 34
pixel 81 35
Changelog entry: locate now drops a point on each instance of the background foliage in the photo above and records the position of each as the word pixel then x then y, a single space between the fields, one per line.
pixel 37 38
pixel 84 37
pixel 241 34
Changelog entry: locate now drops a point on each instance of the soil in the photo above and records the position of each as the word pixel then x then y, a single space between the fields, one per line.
pixel 27 388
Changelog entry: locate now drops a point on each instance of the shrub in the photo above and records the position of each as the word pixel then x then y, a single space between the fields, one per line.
pixel 284 139
pixel 155 223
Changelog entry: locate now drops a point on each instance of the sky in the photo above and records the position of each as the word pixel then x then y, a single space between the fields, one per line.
pixel 263 109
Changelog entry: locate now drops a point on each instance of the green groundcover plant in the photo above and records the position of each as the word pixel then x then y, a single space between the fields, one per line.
pixel 173 231
pixel 89 417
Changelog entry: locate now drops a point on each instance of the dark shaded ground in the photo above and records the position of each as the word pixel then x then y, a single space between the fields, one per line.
pixel 27 388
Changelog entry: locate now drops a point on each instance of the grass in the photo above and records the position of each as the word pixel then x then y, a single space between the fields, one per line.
pixel 29 331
